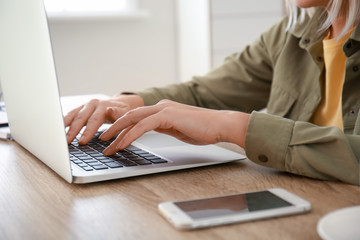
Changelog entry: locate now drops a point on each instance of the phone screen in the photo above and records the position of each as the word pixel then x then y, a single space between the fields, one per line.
pixel 230 205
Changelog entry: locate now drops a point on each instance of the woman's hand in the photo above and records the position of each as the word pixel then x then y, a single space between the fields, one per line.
pixel 96 112
pixel 190 124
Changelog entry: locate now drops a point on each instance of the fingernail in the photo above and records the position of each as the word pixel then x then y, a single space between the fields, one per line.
pixel 101 137
pixel 106 152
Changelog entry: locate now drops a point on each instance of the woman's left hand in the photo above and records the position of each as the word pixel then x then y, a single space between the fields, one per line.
pixel 190 124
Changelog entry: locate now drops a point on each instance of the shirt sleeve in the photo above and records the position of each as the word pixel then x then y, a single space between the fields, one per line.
pixel 303 148
pixel 241 83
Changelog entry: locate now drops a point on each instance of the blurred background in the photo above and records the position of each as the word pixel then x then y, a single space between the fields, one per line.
pixel 110 46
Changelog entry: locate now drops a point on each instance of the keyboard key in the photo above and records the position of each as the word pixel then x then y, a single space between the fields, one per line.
pixel 74 151
pixel 126 162
pixel 158 160
pixel 92 152
pixel 90 161
pixel 88 168
pixel 84 148
pixel 152 157
pixel 95 164
pixel 128 155
pixel 107 160
pixel 79 154
pixel 101 157
pixel 132 148
pixel 139 152
pixel 135 158
pixel 145 155
pixel 113 165
pixel 85 157
pixel 98 155
pixel 82 165
pixel 77 161
pixel 90 157
pixel 100 167
pixel 143 162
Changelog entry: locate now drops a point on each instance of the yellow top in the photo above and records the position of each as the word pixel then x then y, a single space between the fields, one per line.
pixel 329 111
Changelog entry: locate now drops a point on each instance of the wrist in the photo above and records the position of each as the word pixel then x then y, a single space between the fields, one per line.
pixel 236 127
pixel 132 99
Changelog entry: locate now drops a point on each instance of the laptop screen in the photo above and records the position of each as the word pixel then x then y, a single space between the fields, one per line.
pixel 29 84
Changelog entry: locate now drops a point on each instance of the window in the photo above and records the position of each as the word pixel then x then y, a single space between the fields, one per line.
pixel 83 10
pixel 90 5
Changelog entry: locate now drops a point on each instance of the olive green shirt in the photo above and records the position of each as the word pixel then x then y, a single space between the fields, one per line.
pixel 283 71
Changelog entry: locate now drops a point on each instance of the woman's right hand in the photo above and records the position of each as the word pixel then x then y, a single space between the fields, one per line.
pixel 96 112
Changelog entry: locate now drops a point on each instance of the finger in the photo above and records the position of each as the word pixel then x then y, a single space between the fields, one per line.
pixel 71 115
pixel 152 122
pixel 135 131
pixel 111 149
pixel 96 120
pixel 114 113
pixel 130 118
pixel 92 126
pixel 79 121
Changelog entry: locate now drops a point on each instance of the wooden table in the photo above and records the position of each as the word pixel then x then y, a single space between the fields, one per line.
pixel 35 203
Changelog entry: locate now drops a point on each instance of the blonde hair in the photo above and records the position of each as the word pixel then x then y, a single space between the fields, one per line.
pixel 349 8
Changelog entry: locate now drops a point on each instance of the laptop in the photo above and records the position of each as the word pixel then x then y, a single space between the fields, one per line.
pixel 35 116
pixel 3 115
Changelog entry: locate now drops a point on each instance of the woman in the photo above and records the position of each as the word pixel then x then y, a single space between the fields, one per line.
pixel 304 70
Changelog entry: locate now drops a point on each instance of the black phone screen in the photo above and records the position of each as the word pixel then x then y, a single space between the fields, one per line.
pixel 233 204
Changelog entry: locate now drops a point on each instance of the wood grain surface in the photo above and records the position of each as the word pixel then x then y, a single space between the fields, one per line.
pixel 35 203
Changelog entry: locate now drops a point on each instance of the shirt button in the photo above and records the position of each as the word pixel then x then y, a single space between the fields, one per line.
pixel 263 158
pixel 355 68
pixel 306 41
pixel 352 112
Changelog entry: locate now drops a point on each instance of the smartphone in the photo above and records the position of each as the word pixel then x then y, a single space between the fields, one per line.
pixel 207 212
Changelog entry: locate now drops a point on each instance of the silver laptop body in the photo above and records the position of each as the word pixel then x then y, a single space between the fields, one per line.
pixel 29 83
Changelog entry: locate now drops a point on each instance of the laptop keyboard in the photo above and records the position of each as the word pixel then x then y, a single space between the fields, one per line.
pixel 89 157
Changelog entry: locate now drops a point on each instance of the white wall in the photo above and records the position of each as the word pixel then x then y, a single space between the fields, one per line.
pixel 210 30
pixel 237 23
pixel 114 55
pixel 110 56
